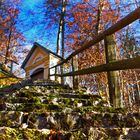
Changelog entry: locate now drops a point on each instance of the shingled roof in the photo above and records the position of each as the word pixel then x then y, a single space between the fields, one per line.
pixel 32 50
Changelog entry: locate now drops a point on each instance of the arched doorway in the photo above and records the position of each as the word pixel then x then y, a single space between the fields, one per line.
pixel 38 74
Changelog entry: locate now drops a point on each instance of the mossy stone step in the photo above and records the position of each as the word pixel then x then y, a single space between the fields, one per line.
pixel 7 133
pixel 82 96
pixel 40 109
pixel 30 93
pixel 46 84
pixel 29 82
pixel 28 107
pixel 54 105
pixel 5 94
pixel 39 92
pixel 52 99
pixel 89 133
pixel 67 121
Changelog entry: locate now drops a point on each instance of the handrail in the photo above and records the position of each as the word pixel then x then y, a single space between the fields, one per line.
pixel 116 27
pixel 131 63
pixel 11 60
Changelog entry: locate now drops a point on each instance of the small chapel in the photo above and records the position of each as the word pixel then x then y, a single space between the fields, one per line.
pixel 38 62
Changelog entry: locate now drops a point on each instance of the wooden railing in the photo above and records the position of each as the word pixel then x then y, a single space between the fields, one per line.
pixel 132 63
pixel 9 69
pixel 135 15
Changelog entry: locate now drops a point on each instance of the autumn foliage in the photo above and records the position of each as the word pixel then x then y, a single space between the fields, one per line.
pixel 88 20
pixel 11 38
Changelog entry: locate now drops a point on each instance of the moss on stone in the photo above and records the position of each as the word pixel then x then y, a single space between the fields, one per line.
pixel 36 100
pixel 25 134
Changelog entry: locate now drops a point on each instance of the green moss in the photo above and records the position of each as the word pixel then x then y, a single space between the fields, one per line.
pixel 17 100
pixel 26 134
pixel 9 134
pixel 37 107
pixel 67 101
pixel 36 100
pixel 54 107
pixel 50 97
pixel 116 110
pixel 87 109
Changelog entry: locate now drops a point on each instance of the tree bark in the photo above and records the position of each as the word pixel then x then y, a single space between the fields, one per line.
pixel 8 47
pixel 63 32
pixel 113 80
pixel 59 38
pixel 63 25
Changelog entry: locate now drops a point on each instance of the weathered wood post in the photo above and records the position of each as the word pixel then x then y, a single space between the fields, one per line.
pixel 55 72
pixel 62 72
pixel 49 74
pixel 113 82
pixel 73 77
pixel 74 65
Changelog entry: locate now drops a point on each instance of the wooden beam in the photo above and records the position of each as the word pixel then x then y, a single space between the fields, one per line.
pixel 4 78
pixel 133 16
pixel 132 63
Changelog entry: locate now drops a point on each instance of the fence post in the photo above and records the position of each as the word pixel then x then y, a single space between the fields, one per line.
pixel 73 77
pixel 62 78
pixel 74 67
pixel 55 73
pixel 114 91
pixel 49 74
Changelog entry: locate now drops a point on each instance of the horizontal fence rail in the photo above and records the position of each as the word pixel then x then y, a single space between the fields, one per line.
pixel 132 63
pixel 116 27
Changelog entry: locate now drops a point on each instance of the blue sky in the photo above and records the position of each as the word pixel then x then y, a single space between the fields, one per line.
pixel 30 13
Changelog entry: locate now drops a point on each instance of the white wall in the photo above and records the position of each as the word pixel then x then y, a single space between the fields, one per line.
pixel 53 61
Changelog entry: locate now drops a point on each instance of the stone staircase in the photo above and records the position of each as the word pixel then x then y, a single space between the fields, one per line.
pixel 44 110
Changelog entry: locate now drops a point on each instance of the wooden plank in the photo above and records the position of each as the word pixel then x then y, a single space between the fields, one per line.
pixel 132 63
pixel 133 16
pixel 4 78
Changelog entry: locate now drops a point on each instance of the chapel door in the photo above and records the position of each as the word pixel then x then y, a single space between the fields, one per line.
pixel 38 74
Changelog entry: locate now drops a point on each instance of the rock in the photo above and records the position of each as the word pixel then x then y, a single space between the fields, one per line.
pixel 27 87
pixel 50 119
pixel 54 101
pixel 67 110
pixel 45 131
pixel 79 104
pixel 9 106
pixel 24 125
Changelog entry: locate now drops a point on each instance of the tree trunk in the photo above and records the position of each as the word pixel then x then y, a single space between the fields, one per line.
pixel 59 38
pixel 63 25
pixel 8 47
pixel 113 80
pixel 97 26
pixel 137 90
pixel 63 32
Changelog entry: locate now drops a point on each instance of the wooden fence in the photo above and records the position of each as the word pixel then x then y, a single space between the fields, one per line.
pixel 132 63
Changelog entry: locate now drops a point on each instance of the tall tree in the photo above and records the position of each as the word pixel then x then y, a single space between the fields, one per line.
pixel 56 11
pixel 11 38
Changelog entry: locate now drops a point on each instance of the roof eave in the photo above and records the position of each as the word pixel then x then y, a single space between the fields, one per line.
pixel 31 51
